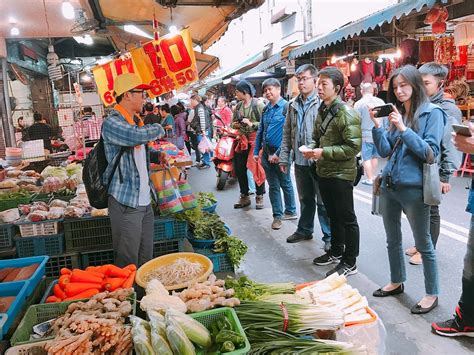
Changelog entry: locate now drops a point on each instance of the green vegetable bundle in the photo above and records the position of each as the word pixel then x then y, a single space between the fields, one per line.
pixel 248 290
pixel 206 199
pixel 15 195
pixel 234 247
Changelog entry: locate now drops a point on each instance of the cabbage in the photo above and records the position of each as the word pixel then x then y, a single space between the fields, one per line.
pixel 54 171
pixel 74 169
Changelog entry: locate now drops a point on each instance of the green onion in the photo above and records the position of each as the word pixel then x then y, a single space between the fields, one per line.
pixel 248 290
pixel 301 320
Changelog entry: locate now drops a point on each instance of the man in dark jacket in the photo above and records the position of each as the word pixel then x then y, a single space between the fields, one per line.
pixel 40 130
pixel 337 139
pixel 434 76
pixel 150 117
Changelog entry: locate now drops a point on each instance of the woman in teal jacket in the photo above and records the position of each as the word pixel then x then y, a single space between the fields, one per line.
pixel 416 126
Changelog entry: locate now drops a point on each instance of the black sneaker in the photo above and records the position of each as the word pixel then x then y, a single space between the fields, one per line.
pixel 297 237
pixel 343 269
pixel 326 259
pixel 454 327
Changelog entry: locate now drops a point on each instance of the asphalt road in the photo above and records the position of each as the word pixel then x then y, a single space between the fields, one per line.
pixel 271 259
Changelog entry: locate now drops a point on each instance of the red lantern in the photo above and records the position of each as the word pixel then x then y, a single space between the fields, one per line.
pixel 443 15
pixel 438 28
pixel 432 16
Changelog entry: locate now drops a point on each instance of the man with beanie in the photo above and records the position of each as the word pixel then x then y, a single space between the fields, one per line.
pixel 130 189
pixel 246 119
pixel 434 75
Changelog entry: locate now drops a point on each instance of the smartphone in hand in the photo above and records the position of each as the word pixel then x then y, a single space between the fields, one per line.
pixel 462 130
pixel 384 110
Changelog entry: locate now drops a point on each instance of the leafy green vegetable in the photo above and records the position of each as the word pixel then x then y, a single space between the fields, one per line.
pixel 248 290
pixel 206 199
pixel 203 225
pixel 234 247
pixel 15 195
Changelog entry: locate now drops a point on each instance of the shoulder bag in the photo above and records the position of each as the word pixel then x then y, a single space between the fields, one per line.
pixel 431 182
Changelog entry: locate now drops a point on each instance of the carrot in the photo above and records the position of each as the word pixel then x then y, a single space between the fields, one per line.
pixel 85 276
pixel 130 280
pixel 58 292
pixel 52 299
pixel 86 294
pixel 114 271
pixel 94 269
pixel 90 272
pixel 103 269
pixel 65 271
pixel 64 280
pixel 113 283
pixel 74 288
pixel 131 267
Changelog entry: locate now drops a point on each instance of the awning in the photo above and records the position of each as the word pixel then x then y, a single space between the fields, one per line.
pixel 362 25
pixel 206 23
pixel 206 64
pixel 270 62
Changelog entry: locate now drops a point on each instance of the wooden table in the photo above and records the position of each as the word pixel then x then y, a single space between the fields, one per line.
pixel 467 107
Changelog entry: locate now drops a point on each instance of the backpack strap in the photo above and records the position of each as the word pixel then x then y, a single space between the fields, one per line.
pixel 333 111
pixel 117 159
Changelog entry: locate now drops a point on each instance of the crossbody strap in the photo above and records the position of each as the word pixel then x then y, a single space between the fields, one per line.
pixel 116 164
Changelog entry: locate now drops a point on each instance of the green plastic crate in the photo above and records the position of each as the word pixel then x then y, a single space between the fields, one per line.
pixel 97 258
pixel 7 232
pixel 89 233
pixel 207 317
pixel 170 228
pixel 40 313
pixel 57 262
pixel 220 261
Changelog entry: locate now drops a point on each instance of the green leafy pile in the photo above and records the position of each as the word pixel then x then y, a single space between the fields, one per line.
pixel 15 195
pixel 234 247
pixel 206 199
pixel 248 290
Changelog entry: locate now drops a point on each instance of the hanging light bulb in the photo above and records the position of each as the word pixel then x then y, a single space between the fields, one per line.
pixel 173 29
pixel 88 40
pixel 67 10
pixel 333 59
pixel 14 31
pixel 353 67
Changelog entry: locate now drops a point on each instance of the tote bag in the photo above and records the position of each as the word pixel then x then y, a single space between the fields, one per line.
pixel 431 182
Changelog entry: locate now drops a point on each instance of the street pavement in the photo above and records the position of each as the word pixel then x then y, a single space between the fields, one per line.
pixel 271 259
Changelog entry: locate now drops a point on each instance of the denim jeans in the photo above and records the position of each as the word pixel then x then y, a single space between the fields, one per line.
pixel 466 303
pixel 309 197
pixel 205 157
pixel 435 224
pixel 252 187
pixel 276 181
pixel 338 198
pixel 409 200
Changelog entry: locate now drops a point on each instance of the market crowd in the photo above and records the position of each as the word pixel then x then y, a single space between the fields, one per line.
pixel 321 137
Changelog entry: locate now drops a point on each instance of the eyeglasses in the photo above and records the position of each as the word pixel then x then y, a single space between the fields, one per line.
pixel 303 79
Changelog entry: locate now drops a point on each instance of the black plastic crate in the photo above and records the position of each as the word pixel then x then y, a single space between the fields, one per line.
pixel 168 246
pixel 57 262
pixel 89 233
pixel 97 258
pixel 44 245
pixel 7 232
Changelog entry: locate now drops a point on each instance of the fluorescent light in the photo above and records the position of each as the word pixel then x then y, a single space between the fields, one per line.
pixel 14 31
pixel 67 10
pixel 136 31
pixel 103 60
pixel 11 20
pixel 87 78
pixel 173 29
pixel 88 40
pixel 226 81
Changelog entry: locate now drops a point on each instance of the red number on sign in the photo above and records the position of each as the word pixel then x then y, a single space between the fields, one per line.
pixel 185 61
pixel 120 63
pixel 108 98
pixel 109 76
pixel 190 75
pixel 156 88
pixel 167 83
pixel 152 53
pixel 180 78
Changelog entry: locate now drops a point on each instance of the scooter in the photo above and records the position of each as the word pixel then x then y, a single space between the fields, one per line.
pixel 224 154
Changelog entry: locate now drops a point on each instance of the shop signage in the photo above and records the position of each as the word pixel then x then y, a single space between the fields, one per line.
pixel 166 64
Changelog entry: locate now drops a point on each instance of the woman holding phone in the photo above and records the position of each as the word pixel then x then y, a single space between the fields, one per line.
pixel 416 127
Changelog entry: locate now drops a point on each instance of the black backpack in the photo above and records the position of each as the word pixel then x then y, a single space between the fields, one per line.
pixel 93 172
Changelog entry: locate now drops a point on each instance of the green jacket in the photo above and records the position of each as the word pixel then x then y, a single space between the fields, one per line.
pixel 341 143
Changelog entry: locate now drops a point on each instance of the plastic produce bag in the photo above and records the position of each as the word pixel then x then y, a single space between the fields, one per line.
pixel 141 336
pixel 179 342
pixel 205 145
pixel 158 334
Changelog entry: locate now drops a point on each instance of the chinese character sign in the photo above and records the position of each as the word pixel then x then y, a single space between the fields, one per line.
pixel 167 64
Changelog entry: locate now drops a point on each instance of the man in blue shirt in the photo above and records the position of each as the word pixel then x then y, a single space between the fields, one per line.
pixel 269 135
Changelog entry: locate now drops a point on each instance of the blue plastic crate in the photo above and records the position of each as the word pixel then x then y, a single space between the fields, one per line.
pixel 18 290
pixel 210 209
pixel 206 243
pixel 7 232
pixel 163 247
pixel 220 261
pixel 44 245
pixel 35 279
pixel 169 228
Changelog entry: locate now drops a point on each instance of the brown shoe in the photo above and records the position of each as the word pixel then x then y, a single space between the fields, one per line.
pixel 259 202
pixel 416 259
pixel 276 224
pixel 244 201
pixel 411 251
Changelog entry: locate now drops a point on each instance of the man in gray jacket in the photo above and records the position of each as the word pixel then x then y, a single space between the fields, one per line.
pixel 434 76
pixel 298 131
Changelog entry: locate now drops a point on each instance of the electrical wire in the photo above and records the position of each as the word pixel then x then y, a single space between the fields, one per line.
pixel 47 22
